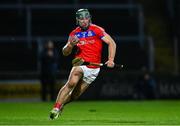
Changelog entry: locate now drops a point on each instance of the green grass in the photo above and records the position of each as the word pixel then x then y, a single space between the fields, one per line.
pixel 93 113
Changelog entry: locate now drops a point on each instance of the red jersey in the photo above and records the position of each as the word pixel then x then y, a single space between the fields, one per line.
pixel 90 45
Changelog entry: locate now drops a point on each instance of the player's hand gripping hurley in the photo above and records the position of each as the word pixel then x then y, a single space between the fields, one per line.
pixel 74 40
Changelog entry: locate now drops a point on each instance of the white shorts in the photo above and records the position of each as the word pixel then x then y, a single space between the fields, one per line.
pixel 90 74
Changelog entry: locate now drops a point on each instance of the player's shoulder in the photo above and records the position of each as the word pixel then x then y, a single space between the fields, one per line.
pixel 97 27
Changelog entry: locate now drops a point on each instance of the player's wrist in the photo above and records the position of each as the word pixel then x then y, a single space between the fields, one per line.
pixel 111 59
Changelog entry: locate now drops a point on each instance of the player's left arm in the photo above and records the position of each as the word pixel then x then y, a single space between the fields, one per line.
pixel 111 49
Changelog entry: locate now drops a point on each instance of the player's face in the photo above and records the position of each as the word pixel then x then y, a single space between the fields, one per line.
pixel 84 22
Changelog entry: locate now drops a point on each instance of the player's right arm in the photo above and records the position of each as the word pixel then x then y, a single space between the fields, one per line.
pixel 72 41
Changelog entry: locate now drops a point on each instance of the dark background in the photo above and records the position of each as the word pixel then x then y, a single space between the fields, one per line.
pixel 132 28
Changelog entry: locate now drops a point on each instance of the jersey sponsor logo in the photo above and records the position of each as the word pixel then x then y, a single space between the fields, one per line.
pixel 86 42
pixel 85 34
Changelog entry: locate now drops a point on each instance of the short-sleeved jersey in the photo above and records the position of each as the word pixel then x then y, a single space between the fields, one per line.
pixel 90 46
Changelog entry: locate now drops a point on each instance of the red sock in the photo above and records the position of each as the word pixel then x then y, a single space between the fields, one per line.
pixel 57 105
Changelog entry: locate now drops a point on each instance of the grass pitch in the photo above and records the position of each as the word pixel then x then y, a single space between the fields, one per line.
pixel 93 113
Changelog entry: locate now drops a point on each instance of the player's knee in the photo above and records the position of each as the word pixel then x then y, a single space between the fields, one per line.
pixel 71 84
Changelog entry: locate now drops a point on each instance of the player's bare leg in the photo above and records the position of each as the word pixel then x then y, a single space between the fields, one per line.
pixel 78 90
pixel 63 95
